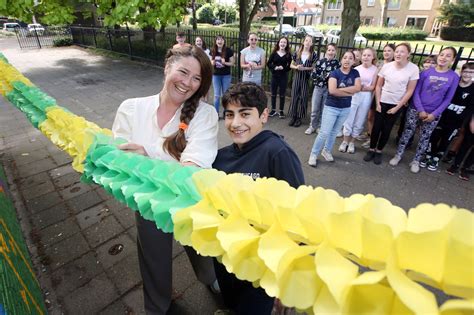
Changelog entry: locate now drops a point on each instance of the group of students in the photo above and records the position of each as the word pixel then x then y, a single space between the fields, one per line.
pixel 176 124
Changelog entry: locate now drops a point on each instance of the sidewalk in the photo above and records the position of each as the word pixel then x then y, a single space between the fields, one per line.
pixel 76 230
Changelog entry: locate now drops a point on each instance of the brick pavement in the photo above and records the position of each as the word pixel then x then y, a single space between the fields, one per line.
pixel 72 226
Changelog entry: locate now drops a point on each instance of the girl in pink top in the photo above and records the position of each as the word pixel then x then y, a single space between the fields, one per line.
pixel 361 101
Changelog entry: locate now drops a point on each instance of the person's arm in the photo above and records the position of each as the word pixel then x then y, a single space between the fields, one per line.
pixel 270 63
pixel 352 89
pixel 334 91
pixel 287 66
pixel 243 64
pixel 378 93
pixel 406 97
pixel 294 65
pixel 122 126
pixel 447 98
pixel 416 99
pixel 263 58
pixel 201 137
pixel 229 63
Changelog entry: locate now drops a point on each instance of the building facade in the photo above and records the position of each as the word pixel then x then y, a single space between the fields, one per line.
pixel 419 14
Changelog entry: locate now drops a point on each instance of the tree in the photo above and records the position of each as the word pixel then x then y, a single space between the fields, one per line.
pixel 383 13
pixel 47 11
pixel 350 21
pixel 247 11
pixel 456 14
pixel 205 14
pixel 225 13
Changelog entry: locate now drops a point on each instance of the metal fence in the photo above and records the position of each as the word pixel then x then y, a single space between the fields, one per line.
pixel 41 37
pixel 152 46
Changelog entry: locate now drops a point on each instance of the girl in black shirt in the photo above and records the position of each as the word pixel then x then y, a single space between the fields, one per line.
pixel 279 64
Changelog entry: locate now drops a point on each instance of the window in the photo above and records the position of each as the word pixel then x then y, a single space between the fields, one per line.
pixel 370 3
pixel 368 21
pixel 416 22
pixel 421 5
pixel 336 20
pixel 394 4
pixel 335 5
pixel 391 21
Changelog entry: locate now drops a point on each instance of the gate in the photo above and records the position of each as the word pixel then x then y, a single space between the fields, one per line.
pixel 33 37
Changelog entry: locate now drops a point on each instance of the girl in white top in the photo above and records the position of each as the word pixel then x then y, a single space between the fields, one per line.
pixel 395 85
pixel 173 125
pixel 361 101
pixel 199 42
pixel 252 60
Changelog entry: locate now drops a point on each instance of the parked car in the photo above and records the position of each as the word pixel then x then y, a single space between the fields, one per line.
pixel 286 29
pixel 217 22
pixel 332 36
pixel 302 31
pixel 35 27
pixel 11 27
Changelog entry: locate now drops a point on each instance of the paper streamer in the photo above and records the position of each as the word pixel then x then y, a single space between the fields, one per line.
pixel 312 248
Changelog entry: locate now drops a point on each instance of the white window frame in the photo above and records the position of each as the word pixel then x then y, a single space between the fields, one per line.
pixel 371 3
pixel 416 17
pixel 337 5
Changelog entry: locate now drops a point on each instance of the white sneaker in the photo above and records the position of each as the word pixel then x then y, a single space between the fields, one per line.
pixel 415 167
pixel 313 160
pixel 327 155
pixel 339 134
pixel 366 144
pixel 310 130
pixel 343 147
pixel 351 149
pixel 395 160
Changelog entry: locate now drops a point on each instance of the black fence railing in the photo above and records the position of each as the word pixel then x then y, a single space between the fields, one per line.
pixel 38 37
pixel 152 46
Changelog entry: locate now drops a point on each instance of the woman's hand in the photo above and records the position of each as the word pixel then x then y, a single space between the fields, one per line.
pixel 393 110
pixel 422 115
pixel 378 107
pixel 133 147
pixel 429 118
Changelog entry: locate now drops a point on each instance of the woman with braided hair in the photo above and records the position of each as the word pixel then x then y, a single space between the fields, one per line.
pixel 172 125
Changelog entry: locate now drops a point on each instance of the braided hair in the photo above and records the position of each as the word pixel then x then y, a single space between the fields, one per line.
pixel 176 143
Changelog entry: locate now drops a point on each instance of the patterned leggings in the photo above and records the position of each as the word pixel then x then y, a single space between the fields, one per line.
pixel 426 128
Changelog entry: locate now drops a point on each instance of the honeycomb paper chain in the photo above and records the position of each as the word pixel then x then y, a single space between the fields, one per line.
pixel 310 247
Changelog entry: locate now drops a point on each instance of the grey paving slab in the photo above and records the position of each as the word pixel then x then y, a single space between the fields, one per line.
pixel 107 228
pixel 75 274
pixel 84 201
pixel 92 297
pixel 107 259
pixel 74 190
pixel 36 167
pixel 66 250
pixel 59 231
pixel 134 300
pixel 43 202
pixel 125 274
pixel 50 216
pixel 40 189
pixel 67 180
pixel 93 215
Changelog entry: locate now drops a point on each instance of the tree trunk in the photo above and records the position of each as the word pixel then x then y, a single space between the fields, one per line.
pixel 383 13
pixel 194 15
pixel 323 10
pixel 279 5
pixel 350 22
pixel 246 16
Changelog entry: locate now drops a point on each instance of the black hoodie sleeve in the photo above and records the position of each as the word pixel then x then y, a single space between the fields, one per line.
pixel 286 166
pixel 270 64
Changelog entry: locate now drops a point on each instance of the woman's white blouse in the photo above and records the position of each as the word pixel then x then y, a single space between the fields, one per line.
pixel 136 121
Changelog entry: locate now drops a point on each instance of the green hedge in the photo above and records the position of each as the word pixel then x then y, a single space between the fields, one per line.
pixel 380 33
pixel 462 34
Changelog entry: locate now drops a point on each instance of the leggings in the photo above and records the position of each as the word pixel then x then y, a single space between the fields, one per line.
pixel 279 83
pixel 441 137
pixel 383 125
pixel 466 144
pixel 426 128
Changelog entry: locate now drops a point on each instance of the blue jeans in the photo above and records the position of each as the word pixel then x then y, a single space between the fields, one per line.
pixel 317 104
pixel 331 123
pixel 220 83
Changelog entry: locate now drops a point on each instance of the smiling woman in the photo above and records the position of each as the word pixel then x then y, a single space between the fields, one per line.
pixel 172 125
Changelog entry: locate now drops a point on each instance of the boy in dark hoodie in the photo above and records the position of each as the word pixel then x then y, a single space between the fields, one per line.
pixel 257 153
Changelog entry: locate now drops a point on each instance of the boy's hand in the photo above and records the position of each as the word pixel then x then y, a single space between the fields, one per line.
pixel 133 147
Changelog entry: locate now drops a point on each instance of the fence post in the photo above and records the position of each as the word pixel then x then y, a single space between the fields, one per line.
pixel 83 42
pixel 129 42
pixel 154 47
pixel 458 57
pixel 109 36
pixel 319 46
pixel 239 48
pixel 95 38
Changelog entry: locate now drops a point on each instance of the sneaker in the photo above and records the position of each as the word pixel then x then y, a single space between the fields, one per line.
pixel 369 156
pixel 449 157
pixel 453 169
pixel 339 134
pixel 313 160
pixel 362 137
pixel 327 155
pixel 281 115
pixel 351 148
pixel 378 158
pixel 415 167
pixel 433 164
pixel 273 113
pixel 395 160
pixel 343 147
pixel 366 144
pixel 310 130
pixel 464 175
pixel 424 162
pixel 214 287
